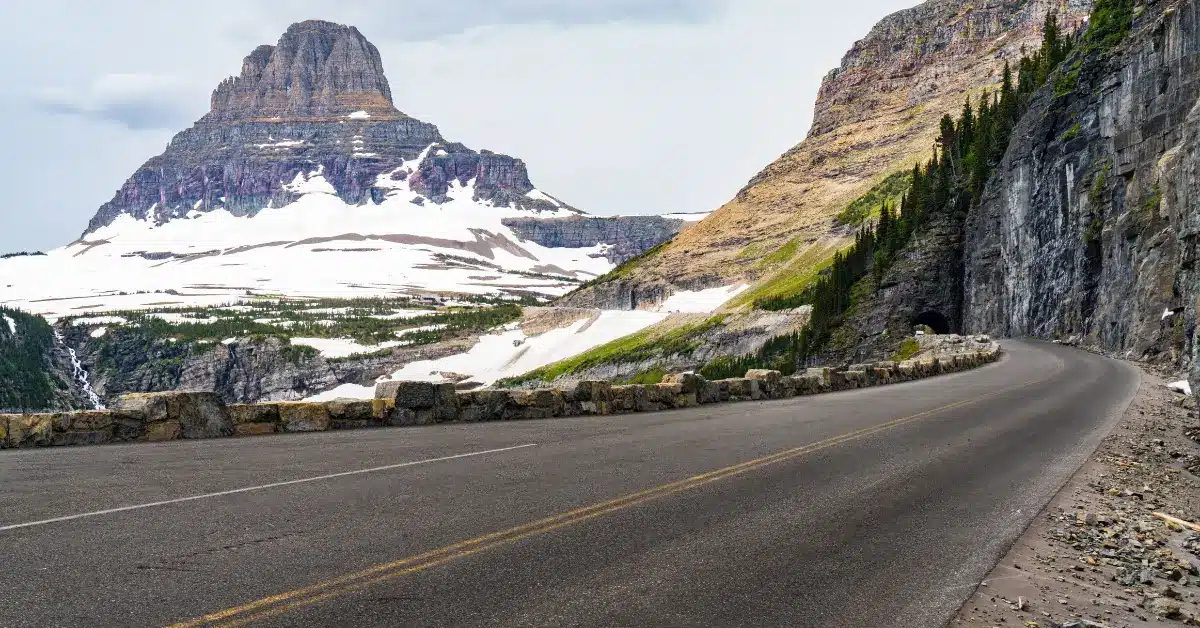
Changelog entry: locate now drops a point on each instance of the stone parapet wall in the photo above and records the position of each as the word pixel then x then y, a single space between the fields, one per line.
pixel 153 417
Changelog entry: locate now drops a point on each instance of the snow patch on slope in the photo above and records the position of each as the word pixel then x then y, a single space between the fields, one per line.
pixel 312 183
pixel 700 301
pixel 342 347
pixel 508 352
pixel 12 325
pixel 100 320
pixel 282 144
pixel 539 195
pixel 316 246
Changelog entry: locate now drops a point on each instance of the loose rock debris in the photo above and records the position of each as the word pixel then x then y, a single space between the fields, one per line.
pixel 1118 546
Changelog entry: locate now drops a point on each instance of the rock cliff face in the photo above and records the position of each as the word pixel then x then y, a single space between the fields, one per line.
pixel 246 370
pixel 875 115
pixel 627 235
pixel 619 294
pixel 1090 226
pixel 36 372
pixel 923 287
pixel 317 70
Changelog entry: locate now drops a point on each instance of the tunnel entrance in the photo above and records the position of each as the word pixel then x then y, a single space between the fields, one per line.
pixel 934 320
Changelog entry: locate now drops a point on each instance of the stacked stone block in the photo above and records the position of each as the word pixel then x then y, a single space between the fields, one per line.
pixel 191 415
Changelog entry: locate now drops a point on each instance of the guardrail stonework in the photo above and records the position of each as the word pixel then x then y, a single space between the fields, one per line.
pixel 168 416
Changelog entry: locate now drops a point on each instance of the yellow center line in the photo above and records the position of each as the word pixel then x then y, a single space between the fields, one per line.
pixel 334 587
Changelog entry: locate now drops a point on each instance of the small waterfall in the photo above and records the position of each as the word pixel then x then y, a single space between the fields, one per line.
pixel 80 374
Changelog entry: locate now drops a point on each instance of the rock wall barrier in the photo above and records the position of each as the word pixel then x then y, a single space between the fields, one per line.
pixel 154 417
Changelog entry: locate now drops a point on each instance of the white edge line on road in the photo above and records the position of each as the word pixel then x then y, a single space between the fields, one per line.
pixel 248 489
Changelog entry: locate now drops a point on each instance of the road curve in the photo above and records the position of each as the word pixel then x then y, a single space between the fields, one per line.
pixel 879 507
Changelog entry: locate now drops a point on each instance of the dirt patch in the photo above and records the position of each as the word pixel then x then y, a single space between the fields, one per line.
pixel 552 269
pixel 1097 555
pixel 483 245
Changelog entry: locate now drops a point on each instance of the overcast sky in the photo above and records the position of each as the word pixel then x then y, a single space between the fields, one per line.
pixel 618 106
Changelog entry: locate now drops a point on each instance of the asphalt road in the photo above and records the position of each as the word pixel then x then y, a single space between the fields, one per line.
pixel 879 507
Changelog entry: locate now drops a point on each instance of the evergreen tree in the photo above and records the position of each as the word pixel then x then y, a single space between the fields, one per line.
pixel 966 128
pixel 1052 47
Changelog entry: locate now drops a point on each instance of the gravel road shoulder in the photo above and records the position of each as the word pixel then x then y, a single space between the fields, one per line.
pixel 1097 555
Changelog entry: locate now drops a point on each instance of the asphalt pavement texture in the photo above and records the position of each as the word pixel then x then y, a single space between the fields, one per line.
pixel 878 507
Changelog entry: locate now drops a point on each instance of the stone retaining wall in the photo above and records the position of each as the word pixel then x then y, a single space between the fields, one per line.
pixel 185 415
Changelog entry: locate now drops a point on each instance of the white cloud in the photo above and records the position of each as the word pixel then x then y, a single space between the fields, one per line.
pixel 137 101
pixel 423 20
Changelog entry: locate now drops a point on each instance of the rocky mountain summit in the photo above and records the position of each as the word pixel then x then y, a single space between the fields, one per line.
pixel 318 70
pixel 318 100
pixel 876 115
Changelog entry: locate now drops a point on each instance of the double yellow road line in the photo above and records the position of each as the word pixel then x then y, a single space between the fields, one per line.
pixel 298 598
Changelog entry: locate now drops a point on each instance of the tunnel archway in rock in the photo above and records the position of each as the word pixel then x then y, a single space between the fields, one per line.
pixel 934 320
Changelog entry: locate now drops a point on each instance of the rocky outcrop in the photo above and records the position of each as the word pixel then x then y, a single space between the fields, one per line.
pixel 922 287
pixel 619 294
pixel 245 370
pixel 1091 226
pixel 317 70
pixel 627 236
pixel 876 114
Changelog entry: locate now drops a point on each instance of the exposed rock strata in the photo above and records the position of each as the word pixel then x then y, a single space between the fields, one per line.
pixel 629 235
pixel 1090 227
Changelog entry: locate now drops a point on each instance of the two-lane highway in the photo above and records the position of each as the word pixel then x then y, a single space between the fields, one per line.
pixel 879 507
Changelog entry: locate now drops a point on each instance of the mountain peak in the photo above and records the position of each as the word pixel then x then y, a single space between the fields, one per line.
pixel 317 69
pixel 316 105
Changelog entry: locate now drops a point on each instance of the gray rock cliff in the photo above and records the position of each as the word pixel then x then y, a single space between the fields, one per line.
pixel 923 287
pixel 1090 226
pixel 628 235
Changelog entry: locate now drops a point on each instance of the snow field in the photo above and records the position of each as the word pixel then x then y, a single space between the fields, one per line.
pixel 701 301
pixel 509 352
pixel 317 246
